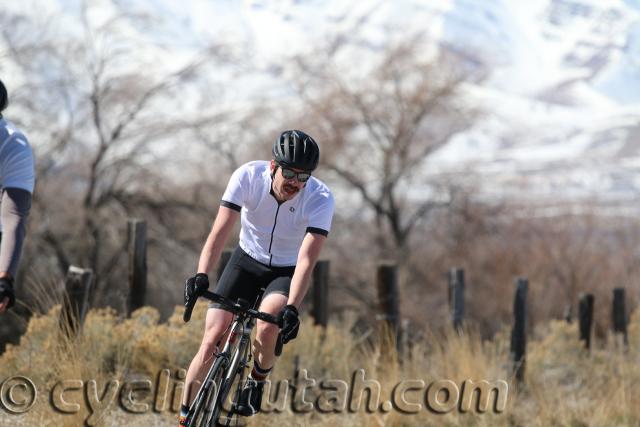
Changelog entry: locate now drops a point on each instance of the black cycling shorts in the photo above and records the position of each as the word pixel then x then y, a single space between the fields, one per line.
pixel 243 277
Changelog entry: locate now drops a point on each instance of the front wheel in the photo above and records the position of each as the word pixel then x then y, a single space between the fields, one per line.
pixel 202 407
pixel 233 377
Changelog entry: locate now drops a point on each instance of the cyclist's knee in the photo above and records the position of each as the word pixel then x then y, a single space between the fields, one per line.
pixel 212 336
pixel 206 352
pixel 208 346
pixel 267 331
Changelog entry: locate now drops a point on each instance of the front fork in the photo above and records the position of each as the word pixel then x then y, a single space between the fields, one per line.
pixel 239 361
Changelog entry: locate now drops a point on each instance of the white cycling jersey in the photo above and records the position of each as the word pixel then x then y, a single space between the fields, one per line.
pixel 272 232
pixel 16 158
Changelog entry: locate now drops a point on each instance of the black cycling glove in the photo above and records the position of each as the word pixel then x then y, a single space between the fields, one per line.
pixel 195 286
pixel 290 323
pixel 6 291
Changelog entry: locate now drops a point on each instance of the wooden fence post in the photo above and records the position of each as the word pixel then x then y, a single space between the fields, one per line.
pixel 404 341
pixel 320 308
pixel 224 260
pixel 567 313
pixel 76 301
pixel 519 331
pixel 456 297
pixel 296 378
pixel 585 313
pixel 619 314
pixel 137 238
pixel 388 296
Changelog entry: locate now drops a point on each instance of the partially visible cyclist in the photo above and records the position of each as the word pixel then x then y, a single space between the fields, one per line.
pixel 17 179
pixel 285 218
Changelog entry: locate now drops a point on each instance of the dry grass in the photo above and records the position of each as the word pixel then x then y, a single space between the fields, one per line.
pixel 565 386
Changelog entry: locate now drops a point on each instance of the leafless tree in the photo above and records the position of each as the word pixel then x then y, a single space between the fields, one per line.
pixel 380 113
pixel 380 125
pixel 112 119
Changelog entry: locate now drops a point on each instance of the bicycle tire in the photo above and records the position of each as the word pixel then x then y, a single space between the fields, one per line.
pixel 233 372
pixel 236 390
pixel 210 409
pixel 202 401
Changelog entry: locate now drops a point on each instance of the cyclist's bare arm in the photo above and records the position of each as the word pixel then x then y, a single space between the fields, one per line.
pixel 307 257
pixel 16 204
pixel 222 226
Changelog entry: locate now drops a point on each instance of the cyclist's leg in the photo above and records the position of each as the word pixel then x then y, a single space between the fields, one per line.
pixel 216 323
pixel 274 300
pixel 267 333
pixel 249 401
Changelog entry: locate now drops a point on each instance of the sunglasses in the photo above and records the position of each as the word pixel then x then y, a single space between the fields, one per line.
pixel 290 174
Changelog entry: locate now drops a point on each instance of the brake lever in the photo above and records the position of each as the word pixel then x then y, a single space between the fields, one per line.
pixel 188 309
pixel 279 345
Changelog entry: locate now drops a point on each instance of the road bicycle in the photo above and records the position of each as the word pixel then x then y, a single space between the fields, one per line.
pixel 229 365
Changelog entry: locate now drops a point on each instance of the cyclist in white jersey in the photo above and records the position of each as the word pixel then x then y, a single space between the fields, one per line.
pixel 285 216
pixel 17 179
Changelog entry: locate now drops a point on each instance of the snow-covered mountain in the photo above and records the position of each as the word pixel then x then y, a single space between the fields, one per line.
pixel 562 97
pixel 563 94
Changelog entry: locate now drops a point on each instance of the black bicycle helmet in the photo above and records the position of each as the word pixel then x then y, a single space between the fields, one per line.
pixel 4 98
pixel 296 149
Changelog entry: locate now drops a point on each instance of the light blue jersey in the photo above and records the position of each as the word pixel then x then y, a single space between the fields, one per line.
pixel 17 168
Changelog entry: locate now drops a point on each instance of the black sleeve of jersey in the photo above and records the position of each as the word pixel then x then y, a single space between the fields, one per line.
pixel 230 205
pixel 315 230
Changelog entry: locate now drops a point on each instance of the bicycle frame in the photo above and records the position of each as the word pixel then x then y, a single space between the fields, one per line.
pixel 236 350
pixel 229 359
pixel 234 357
